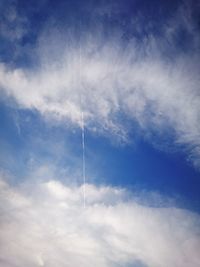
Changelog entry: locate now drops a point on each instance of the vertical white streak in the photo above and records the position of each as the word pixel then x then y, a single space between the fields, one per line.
pixel 83 149
pixel 82 126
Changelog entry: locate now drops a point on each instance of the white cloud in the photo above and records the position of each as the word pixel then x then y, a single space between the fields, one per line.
pixel 45 224
pixel 110 82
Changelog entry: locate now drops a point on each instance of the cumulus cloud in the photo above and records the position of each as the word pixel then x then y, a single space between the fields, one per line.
pixel 45 224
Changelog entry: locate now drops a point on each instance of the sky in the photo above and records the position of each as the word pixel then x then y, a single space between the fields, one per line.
pixel 128 71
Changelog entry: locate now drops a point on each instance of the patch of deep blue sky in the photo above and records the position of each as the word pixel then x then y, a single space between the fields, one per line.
pixel 138 165
pixel 83 16
pixel 28 142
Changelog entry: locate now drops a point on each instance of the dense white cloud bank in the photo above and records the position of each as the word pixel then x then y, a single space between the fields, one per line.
pixel 45 224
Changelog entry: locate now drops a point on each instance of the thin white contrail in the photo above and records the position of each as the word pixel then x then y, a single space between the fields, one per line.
pixel 83 154
pixel 82 127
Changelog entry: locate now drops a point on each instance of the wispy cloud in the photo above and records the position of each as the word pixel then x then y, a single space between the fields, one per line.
pixel 110 82
pixel 13 28
pixel 146 79
pixel 46 224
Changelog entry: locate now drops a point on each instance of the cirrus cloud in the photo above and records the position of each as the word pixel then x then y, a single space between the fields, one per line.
pixel 115 81
pixel 109 84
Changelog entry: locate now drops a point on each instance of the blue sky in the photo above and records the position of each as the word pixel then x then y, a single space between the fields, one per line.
pixel 132 69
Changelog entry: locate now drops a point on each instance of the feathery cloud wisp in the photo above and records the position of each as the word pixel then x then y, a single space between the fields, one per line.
pixel 109 82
